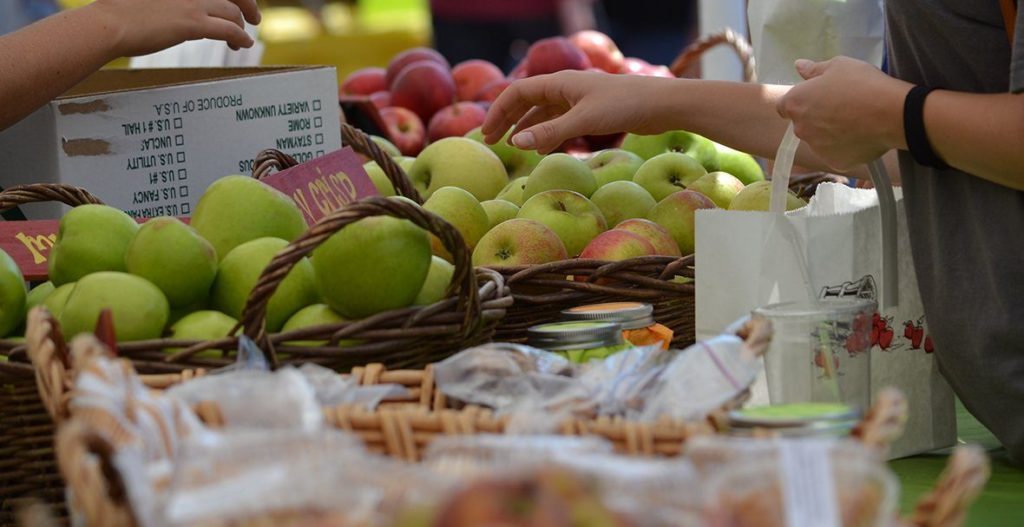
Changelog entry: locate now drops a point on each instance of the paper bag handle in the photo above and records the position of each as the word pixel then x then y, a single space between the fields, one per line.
pixel 886 205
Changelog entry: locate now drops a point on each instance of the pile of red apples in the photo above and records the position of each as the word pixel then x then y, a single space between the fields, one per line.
pixel 422 99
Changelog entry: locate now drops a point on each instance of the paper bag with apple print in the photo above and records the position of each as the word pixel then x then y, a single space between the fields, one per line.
pixel 832 247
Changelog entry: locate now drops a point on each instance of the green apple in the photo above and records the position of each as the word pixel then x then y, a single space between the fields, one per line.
pixel 38 293
pixel 560 172
pixel 519 242
pixel 513 191
pixel 614 164
pixel 518 162
pixel 375 264
pixel 622 200
pixel 668 173
pixel 388 147
pixel 459 208
pixel 139 308
pixel 175 258
pixel 201 325
pixel 697 147
pixel 739 164
pixel 379 179
pixel 237 209
pixel 458 162
pixel 91 238
pixel 499 210
pixel 436 284
pixel 721 187
pixel 573 217
pixel 758 196
pixel 676 214
pixel 314 315
pixel 12 295
pixel 178 313
pixel 662 240
pixel 240 270
pixel 55 301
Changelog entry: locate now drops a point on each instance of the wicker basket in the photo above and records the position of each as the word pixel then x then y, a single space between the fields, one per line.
pixel 27 466
pixel 85 447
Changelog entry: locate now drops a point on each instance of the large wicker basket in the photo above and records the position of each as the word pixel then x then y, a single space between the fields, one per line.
pixel 27 466
pixel 403 429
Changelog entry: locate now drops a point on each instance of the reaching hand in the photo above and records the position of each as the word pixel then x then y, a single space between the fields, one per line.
pixel 146 26
pixel 549 109
pixel 847 111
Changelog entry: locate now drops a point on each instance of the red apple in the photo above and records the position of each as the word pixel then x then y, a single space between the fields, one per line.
pixel 455 120
pixel 381 99
pixel 519 72
pixel 634 65
pixel 615 245
pixel 410 56
pixel 577 146
pixel 364 82
pixel 604 142
pixel 491 92
pixel 553 54
pixel 600 49
pixel 404 129
pixel 424 87
pixel 658 236
pixel 472 75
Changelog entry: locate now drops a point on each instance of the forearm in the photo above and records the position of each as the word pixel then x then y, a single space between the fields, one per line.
pixel 981 134
pixel 740 115
pixel 36 65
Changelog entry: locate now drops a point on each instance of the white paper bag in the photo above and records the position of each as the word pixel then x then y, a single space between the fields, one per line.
pixel 750 259
pixel 785 30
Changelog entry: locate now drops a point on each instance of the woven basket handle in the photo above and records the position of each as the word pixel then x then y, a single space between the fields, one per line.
pixel 51 361
pixel 693 52
pixel 463 282
pixel 40 192
pixel 86 463
pixel 963 479
pixel 269 161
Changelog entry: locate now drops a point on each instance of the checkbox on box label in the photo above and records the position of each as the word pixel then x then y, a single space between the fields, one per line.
pixel 179 140
pixel 180 157
pixel 182 174
pixel 319 139
pixel 177 123
pixel 316 105
pixel 319 153
pixel 186 208
pixel 183 191
pixel 318 122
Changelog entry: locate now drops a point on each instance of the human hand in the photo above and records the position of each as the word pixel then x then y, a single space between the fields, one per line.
pixel 141 27
pixel 549 109
pixel 847 111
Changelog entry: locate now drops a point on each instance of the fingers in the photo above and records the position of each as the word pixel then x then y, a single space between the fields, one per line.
pixel 227 10
pixel 538 114
pixel 221 29
pixel 808 69
pixel 249 10
pixel 548 135
pixel 519 98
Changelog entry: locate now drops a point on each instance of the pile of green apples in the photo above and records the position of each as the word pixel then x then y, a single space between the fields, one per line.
pixel 166 278
pixel 516 207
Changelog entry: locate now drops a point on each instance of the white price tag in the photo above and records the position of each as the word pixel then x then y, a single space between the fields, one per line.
pixel 808 488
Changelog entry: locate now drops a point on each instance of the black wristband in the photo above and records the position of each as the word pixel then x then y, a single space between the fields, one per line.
pixel 913 128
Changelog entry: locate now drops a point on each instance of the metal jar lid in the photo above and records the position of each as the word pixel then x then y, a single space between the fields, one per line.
pixel 575 335
pixel 630 315
pixel 798 415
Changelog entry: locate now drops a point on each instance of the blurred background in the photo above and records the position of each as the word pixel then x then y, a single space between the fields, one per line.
pixel 353 34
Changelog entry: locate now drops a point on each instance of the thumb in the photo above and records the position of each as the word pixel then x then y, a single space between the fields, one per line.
pixel 808 69
pixel 548 135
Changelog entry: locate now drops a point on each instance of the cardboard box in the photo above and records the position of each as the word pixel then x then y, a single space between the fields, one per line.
pixel 150 141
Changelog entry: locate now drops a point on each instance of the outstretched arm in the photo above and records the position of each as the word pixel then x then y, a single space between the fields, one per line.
pixel 34 70
pixel 549 109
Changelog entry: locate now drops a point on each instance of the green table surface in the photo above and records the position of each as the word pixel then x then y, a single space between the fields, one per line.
pixel 1002 501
